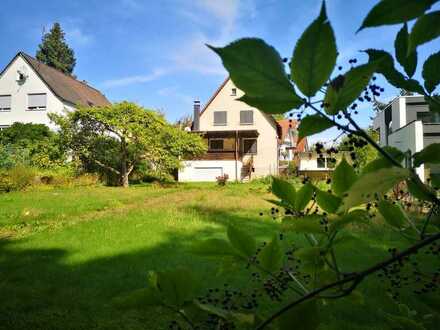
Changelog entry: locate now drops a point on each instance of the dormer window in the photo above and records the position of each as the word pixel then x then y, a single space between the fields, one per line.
pixel 234 92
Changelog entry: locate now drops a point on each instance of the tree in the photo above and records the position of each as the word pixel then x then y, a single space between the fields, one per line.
pixel 55 52
pixel 119 137
pixel 361 152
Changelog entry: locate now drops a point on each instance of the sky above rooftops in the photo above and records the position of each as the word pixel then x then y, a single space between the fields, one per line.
pixel 154 53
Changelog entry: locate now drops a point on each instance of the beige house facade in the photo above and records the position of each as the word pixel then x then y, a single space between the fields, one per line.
pixel 242 141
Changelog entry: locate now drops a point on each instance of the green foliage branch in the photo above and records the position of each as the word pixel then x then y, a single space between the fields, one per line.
pixel 356 196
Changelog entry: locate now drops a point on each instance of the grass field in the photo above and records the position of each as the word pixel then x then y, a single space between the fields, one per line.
pixel 65 253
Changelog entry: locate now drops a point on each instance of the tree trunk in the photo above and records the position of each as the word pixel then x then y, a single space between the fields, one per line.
pixel 124 172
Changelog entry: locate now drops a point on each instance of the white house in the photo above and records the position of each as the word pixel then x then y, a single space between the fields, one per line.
pixel 29 90
pixel 242 141
pixel 407 124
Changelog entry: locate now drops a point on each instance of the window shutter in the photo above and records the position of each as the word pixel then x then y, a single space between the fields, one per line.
pixel 37 100
pixel 219 117
pixel 246 117
pixel 5 102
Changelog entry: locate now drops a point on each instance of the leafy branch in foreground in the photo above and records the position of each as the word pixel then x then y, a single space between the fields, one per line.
pixel 300 272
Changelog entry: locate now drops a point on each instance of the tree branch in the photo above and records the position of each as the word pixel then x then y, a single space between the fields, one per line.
pixel 354 278
pixel 111 169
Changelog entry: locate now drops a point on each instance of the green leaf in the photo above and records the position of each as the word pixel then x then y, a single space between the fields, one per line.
pixel 242 318
pixel 382 162
pixel 355 216
pixel 311 258
pixel 356 297
pixel 393 214
pixel 303 196
pixel 313 124
pixel 304 316
pixel 389 12
pixel 327 201
pixel 344 90
pixel 244 243
pixel 257 69
pixel 343 178
pixel 314 56
pixel 435 180
pixel 419 190
pixel 385 66
pixel 271 256
pixel 403 323
pixel 434 103
pixel 370 184
pixel 431 72
pixel 284 190
pixel 176 286
pixel 138 299
pixel 409 62
pixel 430 154
pixel 213 247
pixel 308 224
pixel 426 28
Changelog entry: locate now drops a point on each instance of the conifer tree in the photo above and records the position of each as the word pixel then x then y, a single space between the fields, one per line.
pixel 55 52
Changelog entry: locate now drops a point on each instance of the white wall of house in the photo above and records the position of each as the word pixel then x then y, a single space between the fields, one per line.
pixel 19 96
pixel 307 163
pixel 266 159
pixel 409 138
pixel 208 170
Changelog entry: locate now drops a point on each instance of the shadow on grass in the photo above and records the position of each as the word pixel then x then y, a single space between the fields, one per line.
pixel 41 289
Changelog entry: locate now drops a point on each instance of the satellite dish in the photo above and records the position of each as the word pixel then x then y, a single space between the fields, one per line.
pixel 22 74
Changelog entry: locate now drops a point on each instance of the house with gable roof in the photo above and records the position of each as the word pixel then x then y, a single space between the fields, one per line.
pixel 30 89
pixel 243 142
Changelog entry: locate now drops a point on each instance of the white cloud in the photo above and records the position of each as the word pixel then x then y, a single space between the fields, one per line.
pixel 193 54
pixel 174 92
pixel 135 79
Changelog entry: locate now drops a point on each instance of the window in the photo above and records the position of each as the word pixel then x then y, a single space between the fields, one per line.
pixel 216 144
pixel 234 92
pixel 220 118
pixel 320 162
pixel 5 102
pixel 428 117
pixel 250 146
pixel 246 117
pixel 37 101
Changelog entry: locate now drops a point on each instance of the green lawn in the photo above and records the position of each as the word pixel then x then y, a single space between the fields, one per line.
pixel 65 253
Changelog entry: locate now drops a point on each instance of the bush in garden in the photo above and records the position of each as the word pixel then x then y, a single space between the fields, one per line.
pixel 294 283
pixel 222 179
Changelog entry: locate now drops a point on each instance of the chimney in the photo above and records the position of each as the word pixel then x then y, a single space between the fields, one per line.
pixel 196 121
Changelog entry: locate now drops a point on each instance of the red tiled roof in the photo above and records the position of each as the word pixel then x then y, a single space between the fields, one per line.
pixel 287 124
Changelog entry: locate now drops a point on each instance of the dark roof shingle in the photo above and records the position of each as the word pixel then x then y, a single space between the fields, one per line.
pixel 66 87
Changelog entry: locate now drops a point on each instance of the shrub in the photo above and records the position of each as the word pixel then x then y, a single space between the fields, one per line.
pixel 222 179
pixel 17 178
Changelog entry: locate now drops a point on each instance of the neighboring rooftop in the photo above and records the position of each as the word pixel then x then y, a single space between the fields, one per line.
pixel 286 125
pixel 64 86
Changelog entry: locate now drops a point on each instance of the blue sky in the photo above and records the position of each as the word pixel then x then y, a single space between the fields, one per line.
pixel 153 52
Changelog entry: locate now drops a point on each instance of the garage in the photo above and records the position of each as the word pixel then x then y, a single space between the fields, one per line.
pixel 207 173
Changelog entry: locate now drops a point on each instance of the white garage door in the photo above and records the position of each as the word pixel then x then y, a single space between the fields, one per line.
pixel 207 173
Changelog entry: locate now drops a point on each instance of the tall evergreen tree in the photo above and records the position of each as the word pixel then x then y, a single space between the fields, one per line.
pixel 55 52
